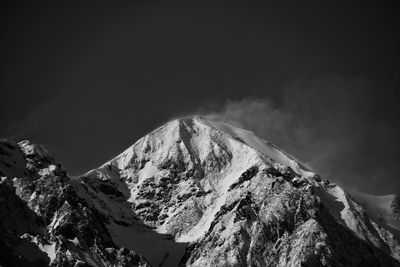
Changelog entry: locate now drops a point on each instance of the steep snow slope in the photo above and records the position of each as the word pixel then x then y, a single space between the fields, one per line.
pixel 216 154
pixel 383 209
pixel 194 192
pixel 165 168
pixel 192 177
pixel 263 146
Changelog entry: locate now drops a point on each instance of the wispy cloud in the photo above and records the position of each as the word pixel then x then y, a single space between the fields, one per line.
pixel 327 123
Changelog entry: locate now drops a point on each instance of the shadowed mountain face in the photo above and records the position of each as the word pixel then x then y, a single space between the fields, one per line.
pixel 194 192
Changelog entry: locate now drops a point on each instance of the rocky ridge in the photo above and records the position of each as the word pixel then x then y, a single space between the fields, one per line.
pixel 194 192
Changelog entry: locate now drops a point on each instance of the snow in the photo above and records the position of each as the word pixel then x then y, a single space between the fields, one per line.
pixel 32 196
pixel 345 210
pixel 168 131
pixel 154 247
pixel 207 158
pixel 75 241
pixel 163 139
pixel 29 149
pixel 48 170
pixel 196 141
pixel 379 208
pixel 208 216
pixel 55 222
pixel 50 250
pixel 351 214
pixel 148 171
pixel 106 205
pixel 243 158
pixel 193 141
pixel 340 196
pixel 12 160
pixel 250 139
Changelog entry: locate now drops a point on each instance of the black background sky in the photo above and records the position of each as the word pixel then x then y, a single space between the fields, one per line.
pixel 319 79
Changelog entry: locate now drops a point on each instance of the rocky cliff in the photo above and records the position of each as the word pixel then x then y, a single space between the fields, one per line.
pixel 194 192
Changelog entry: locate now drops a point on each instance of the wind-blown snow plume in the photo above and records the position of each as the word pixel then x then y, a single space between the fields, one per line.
pixel 193 192
pixel 277 125
pixel 265 119
pixel 336 133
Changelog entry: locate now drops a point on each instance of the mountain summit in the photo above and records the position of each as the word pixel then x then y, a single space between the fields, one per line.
pixel 194 192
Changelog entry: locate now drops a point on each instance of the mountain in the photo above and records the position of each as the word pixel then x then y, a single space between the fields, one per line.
pixel 383 209
pixel 194 192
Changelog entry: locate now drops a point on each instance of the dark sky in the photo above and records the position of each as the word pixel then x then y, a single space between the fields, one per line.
pixel 87 80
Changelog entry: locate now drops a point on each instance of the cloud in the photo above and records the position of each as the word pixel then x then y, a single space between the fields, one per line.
pixel 264 118
pixel 345 128
pixel 329 124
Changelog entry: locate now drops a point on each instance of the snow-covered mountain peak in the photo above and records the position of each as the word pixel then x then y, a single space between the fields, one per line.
pixel 194 192
pixel 183 176
pixel 198 137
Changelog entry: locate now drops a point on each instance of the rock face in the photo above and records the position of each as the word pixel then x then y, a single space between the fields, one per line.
pixel 44 222
pixel 192 193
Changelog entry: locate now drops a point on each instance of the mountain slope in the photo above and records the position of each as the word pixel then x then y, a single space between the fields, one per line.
pixel 383 209
pixel 196 192
pixel 43 221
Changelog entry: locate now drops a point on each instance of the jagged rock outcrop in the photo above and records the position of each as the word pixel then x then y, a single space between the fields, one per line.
pixel 194 192
pixel 43 220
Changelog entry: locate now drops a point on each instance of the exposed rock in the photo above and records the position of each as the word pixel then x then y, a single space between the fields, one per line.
pixel 247 175
pixel 193 193
pixel 44 222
